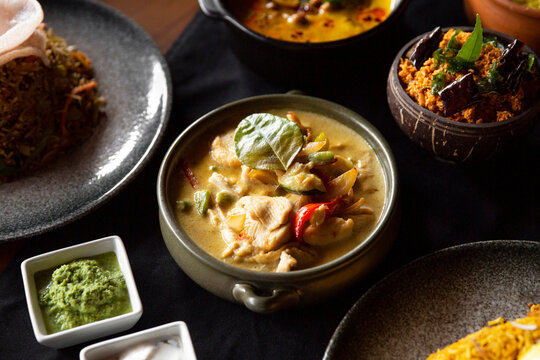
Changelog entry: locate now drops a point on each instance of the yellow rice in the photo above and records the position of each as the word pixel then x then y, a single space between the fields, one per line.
pixel 501 340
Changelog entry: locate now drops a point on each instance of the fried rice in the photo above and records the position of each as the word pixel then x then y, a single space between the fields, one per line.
pixel 45 110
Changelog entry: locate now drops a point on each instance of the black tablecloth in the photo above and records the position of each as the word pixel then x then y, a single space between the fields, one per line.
pixel 442 205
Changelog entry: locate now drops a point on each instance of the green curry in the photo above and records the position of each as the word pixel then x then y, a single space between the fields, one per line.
pixel 81 292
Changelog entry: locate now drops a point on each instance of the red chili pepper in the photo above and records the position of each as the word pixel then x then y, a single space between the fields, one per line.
pixel 189 174
pixel 305 212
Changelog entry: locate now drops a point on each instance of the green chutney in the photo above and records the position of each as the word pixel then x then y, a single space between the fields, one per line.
pixel 81 292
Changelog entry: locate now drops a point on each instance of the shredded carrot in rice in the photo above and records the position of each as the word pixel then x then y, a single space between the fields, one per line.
pixel 92 84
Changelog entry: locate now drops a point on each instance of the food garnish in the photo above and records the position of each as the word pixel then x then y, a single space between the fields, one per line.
pixel 470 51
pixel 267 142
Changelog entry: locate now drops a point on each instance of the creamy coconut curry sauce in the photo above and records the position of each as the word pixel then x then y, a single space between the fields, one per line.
pixel 280 191
pixel 310 20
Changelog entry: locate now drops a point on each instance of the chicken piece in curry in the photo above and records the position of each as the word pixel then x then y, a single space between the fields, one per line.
pixel 282 191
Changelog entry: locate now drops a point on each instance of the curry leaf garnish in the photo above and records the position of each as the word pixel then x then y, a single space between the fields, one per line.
pixel 494 41
pixel 268 142
pixel 492 82
pixel 437 82
pixel 453 44
pixel 470 51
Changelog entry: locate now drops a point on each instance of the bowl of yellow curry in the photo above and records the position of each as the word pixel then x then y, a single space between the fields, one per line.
pixel 278 200
pixel 305 39
pixel 465 94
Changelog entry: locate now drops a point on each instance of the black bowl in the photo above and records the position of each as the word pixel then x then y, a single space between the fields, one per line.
pixel 292 62
pixel 452 140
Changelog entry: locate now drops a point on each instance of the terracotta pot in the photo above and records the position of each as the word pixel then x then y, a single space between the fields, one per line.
pixel 452 140
pixel 507 17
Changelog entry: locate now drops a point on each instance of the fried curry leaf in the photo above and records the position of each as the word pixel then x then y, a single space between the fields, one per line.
pixel 438 81
pixel 491 83
pixel 494 41
pixel 268 142
pixel 470 51
pixel 453 45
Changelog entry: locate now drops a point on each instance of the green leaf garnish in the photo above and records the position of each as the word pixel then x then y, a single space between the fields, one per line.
pixel 491 83
pixel 437 82
pixel 453 45
pixel 470 51
pixel 267 142
pixel 494 41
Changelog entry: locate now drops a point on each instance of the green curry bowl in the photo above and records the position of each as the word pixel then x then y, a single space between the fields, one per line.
pixel 234 267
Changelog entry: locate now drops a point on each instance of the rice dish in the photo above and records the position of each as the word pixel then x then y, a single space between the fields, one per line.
pixel 48 99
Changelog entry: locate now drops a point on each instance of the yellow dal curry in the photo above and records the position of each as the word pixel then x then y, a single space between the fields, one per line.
pixel 252 215
pixel 312 20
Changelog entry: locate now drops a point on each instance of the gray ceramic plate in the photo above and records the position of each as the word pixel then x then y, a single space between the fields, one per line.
pixel 438 299
pixel 133 76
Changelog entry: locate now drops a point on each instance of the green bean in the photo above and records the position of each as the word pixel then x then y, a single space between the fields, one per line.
pixel 224 197
pixel 321 156
pixel 183 205
pixel 202 201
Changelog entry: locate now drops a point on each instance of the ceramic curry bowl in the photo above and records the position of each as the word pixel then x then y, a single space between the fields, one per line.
pixel 262 291
pixel 451 140
pixel 307 62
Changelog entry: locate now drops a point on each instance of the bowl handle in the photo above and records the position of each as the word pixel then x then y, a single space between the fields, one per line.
pixel 212 8
pixel 281 298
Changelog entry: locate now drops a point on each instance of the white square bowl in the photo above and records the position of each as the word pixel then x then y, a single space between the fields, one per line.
pixel 92 330
pixel 109 348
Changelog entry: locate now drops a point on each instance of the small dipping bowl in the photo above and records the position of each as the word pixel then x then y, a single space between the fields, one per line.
pixel 109 348
pixel 92 330
pixel 266 292
pixel 292 62
pixel 509 17
pixel 452 140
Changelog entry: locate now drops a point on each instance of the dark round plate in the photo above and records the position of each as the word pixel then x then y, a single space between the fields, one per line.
pixel 438 299
pixel 134 78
